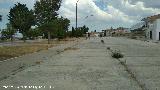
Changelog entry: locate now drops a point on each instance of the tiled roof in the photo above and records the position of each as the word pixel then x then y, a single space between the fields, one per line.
pixel 151 18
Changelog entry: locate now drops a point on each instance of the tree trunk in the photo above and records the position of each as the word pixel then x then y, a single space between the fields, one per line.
pixel 11 38
pixel 24 37
pixel 49 37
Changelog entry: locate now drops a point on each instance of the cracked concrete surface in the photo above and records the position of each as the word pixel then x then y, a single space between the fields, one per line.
pixel 91 67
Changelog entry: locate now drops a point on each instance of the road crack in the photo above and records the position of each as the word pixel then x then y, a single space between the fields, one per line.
pixel 130 72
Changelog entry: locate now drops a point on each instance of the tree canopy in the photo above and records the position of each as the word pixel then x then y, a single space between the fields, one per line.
pixel 80 31
pixel 8 32
pixel 33 33
pixel 46 14
pixel 21 18
pixel 63 25
pixel 58 27
pixel 46 11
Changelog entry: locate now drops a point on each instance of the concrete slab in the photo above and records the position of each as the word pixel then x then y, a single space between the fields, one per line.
pixel 91 67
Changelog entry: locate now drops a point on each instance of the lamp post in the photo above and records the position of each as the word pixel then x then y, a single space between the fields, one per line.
pixel 76 12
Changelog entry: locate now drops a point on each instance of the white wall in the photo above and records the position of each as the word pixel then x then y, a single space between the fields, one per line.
pixel 157 29
pixel 154 32
pixel 150 27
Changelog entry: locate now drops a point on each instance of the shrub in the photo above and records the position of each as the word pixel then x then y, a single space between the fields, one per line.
pixel 133 37
pixel 102 41
pixel 108 48
pixel 117 54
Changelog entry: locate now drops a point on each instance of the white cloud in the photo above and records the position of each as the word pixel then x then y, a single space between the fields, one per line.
pixel 29 3
pixel 148 3
pixel 115 13
pixel 101 18
pixel 139 8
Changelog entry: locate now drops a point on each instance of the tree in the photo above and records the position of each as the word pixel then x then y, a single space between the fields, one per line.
pixel 85 29
pixel 46 13
pixel 57 27
pixel 50 27
pixel 21 18
pixel 66 24
pixel 80 31
pixel 32 33
pixel 0 18
pixel 63 25
pixel 8 32
pixel 5 34
pixel 11 31
pixel 112 28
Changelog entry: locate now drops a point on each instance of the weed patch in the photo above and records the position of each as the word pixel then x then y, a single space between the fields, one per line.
pixel 117 54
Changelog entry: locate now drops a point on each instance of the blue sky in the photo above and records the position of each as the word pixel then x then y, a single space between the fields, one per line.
pixel 107 13
pixel 101 4
pixel 5 6
pixel 4 11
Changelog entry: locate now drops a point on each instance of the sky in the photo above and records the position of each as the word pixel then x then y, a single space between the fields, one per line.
pixel 96 14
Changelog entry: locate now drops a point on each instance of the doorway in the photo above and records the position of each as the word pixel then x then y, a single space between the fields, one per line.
pixel 159 35
pixel 150 34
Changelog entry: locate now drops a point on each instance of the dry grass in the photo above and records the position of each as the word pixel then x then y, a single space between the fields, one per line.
pixel 39 62
pixel 70 48
pixel 7 52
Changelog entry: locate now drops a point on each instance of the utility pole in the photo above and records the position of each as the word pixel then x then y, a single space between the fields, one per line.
pixel 76 12
pixel 76 16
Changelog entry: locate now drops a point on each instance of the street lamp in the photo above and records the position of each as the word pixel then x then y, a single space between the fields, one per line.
pixel 85 18
pixel 76 13
pixel 88 16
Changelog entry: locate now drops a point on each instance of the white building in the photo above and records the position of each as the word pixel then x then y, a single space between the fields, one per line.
pixel 152 27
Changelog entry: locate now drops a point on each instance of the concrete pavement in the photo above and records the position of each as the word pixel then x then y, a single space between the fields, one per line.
pixel 89 66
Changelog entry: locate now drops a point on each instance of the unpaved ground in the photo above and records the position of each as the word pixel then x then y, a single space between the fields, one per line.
pixel 18 48
pixel 14 65
pixel 89 66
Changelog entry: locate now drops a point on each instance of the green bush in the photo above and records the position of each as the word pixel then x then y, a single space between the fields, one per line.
pixel 108 48
pixel 117 54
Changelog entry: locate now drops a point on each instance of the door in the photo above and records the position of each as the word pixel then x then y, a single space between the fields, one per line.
pixel 150 34
pixel 159 35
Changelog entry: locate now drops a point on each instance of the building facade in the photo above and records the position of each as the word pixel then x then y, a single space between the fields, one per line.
pixel 152 27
